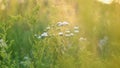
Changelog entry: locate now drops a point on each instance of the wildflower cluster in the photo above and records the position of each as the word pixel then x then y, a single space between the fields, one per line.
pixel 62 23
pixel 59 29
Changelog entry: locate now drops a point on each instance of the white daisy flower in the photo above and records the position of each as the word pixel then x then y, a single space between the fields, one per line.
pixel 62 23
pixel 59 24
pixel 67 31
pixel 60 33
pixel 44 34
pixel 71 34
pixel 76 31
pixel 65 23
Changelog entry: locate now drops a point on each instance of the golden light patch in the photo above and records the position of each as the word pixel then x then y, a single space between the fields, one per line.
pixel 2 7
pixel 106 1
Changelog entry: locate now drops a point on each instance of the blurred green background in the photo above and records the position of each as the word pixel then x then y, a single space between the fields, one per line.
pixel 21 19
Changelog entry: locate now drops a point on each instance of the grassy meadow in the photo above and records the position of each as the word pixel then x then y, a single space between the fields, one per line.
pixel 59 34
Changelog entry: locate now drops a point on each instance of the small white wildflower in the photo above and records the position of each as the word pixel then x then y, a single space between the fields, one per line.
pixel 76 31
pixel 76 27
pixel 59 24
pixel 44 34
pixel 62 23
pixel 60 33
pixel 71 34
pixel 82 39
pixel 65 23
pixel 67 31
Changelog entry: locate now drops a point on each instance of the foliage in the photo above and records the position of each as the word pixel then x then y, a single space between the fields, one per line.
pixel 59 34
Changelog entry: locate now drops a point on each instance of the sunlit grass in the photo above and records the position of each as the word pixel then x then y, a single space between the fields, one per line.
pixel 59 34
